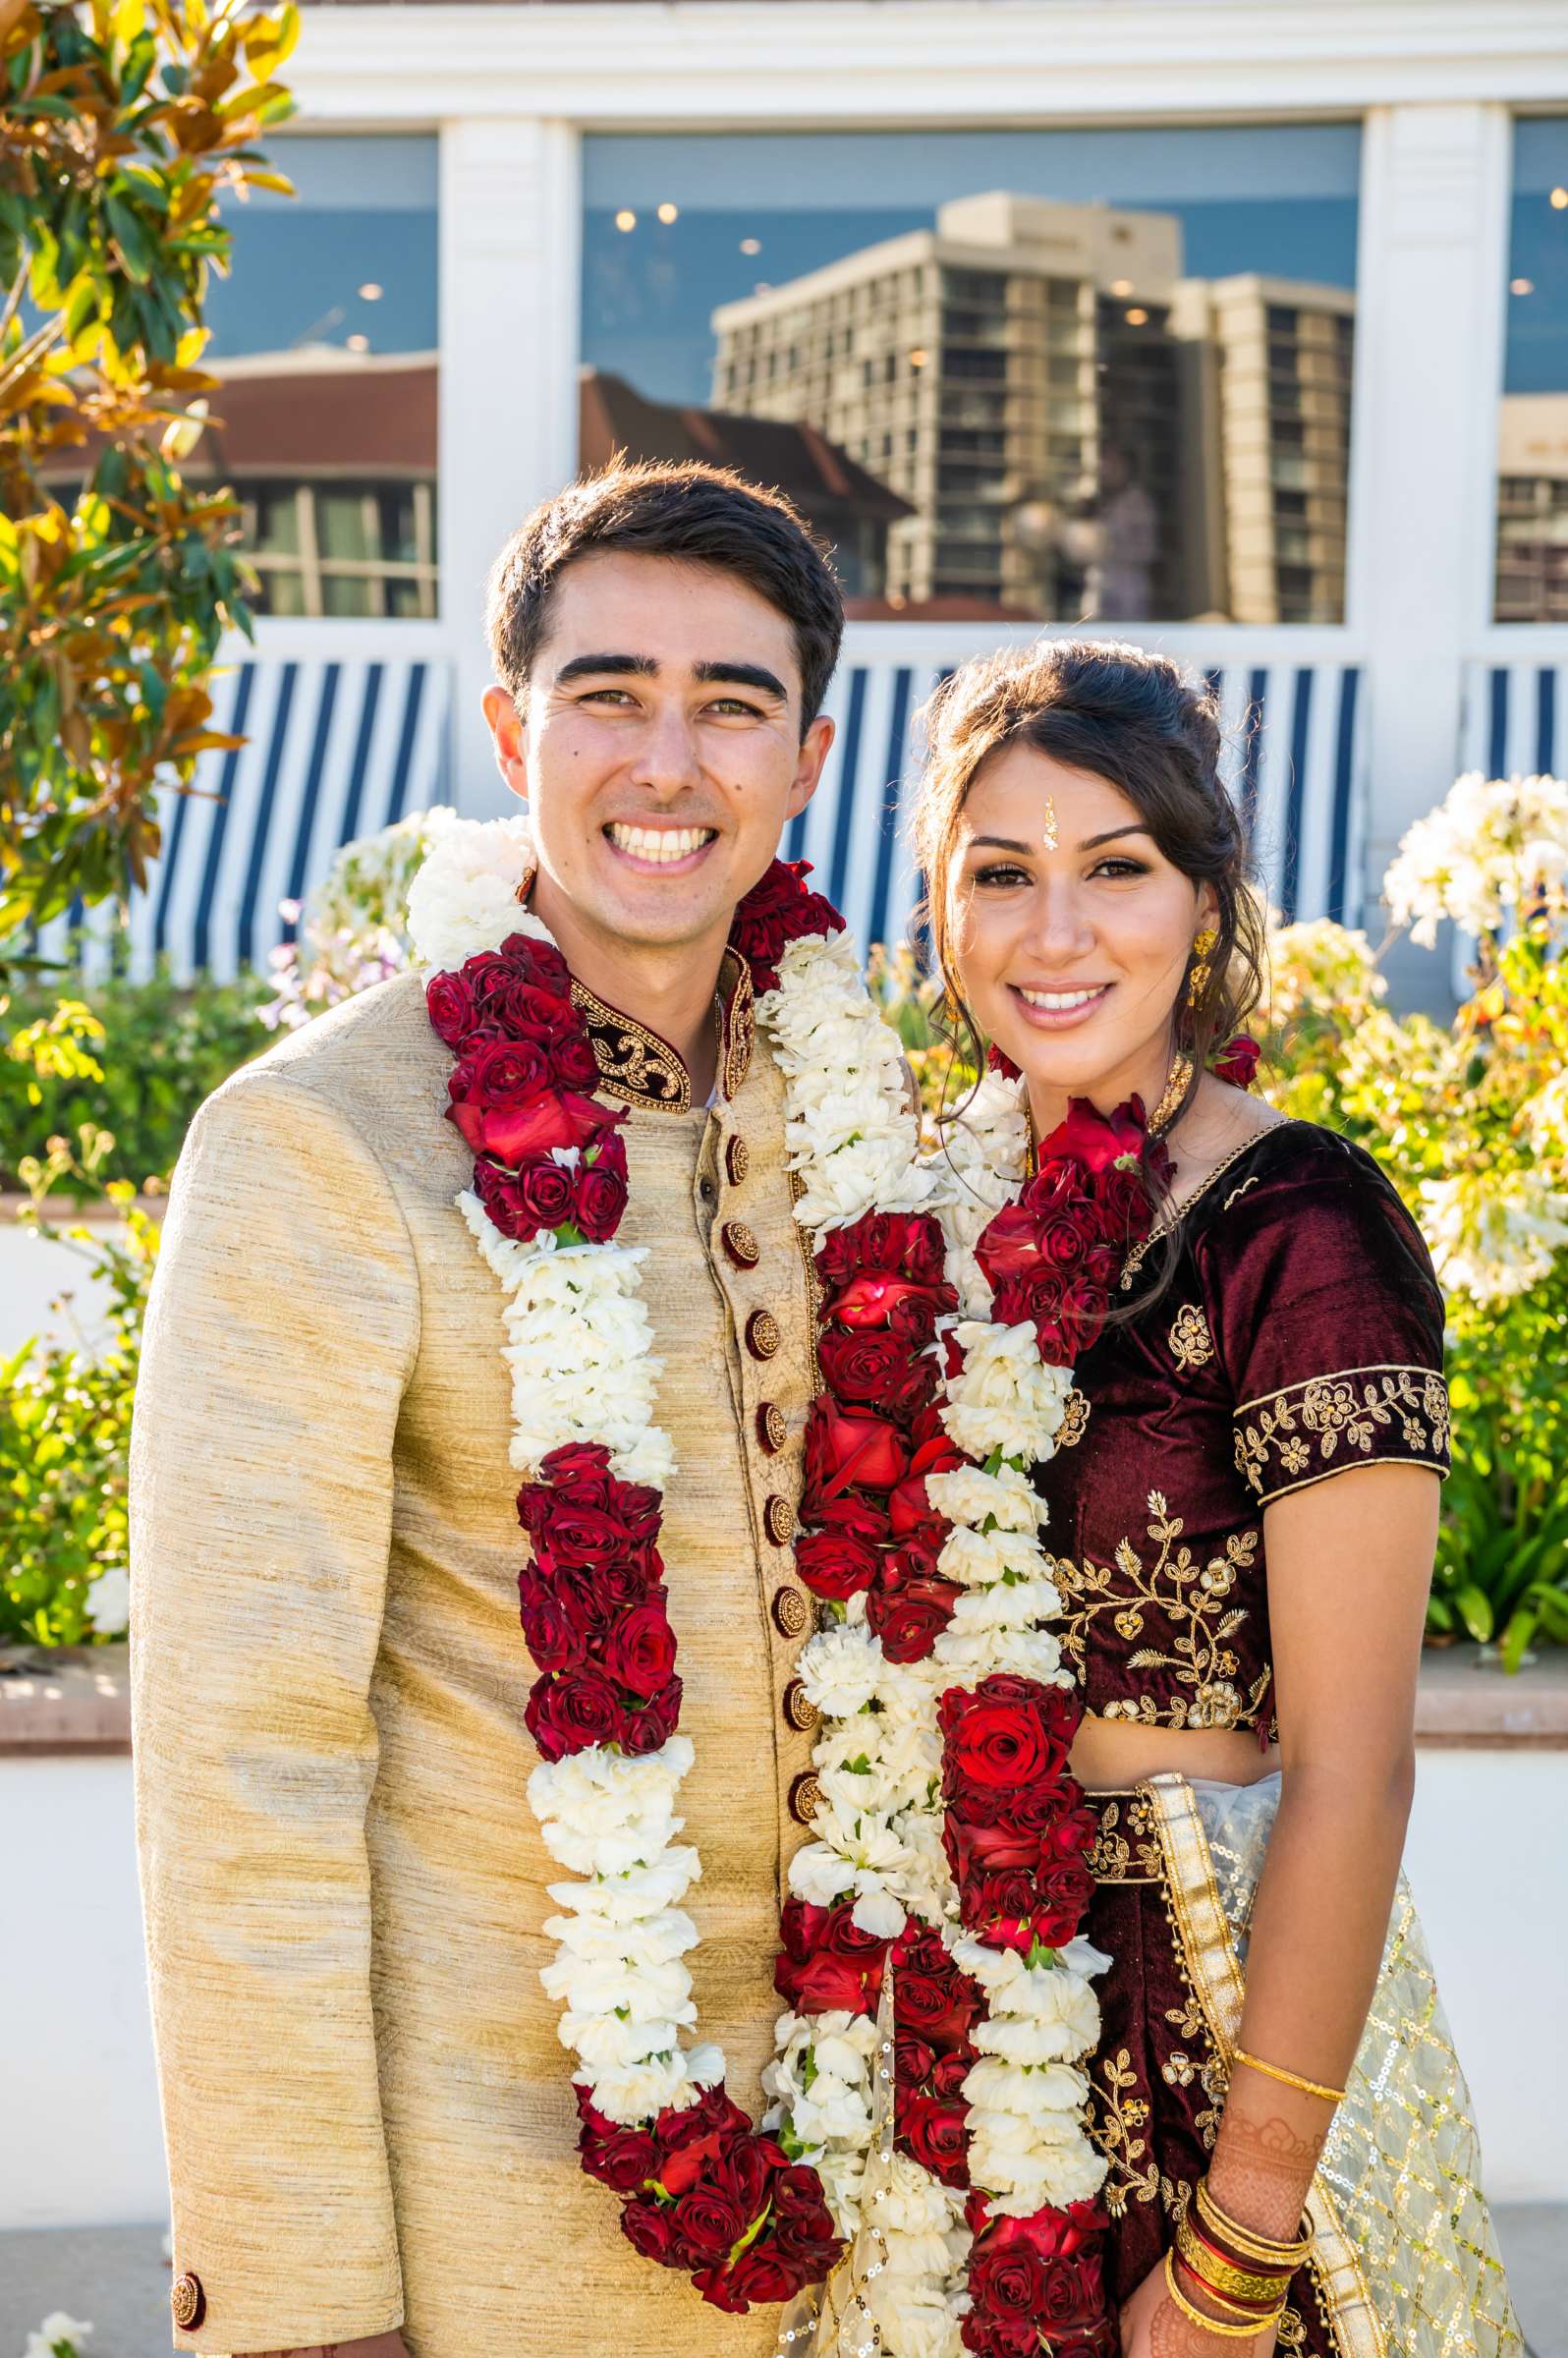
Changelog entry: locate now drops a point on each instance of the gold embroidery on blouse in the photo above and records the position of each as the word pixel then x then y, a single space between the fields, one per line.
pixel 1191 1344
pixel 1237 1193
pixel 1177 1213
pixel 1191 1595
pixel 1304 1430
pixel 1075 1421
pixel 1118 2118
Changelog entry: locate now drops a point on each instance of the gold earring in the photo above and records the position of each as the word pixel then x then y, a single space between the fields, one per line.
pixel 1203 950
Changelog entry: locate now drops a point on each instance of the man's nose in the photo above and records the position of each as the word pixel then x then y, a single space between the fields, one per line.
pixel 667 761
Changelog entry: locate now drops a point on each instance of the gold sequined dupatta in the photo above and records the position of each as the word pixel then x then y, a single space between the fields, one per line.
pixel 1406 2259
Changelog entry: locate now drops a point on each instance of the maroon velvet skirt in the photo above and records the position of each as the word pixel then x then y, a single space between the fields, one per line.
pixel 1158 2082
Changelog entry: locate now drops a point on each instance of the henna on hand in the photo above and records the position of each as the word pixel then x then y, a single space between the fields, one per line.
pixel 1263 2167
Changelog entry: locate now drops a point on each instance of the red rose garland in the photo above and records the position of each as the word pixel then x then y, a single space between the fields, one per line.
pixel 701 2188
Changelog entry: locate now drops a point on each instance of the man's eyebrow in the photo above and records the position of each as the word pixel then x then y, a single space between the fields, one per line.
pixel 742 675
pixel 579 667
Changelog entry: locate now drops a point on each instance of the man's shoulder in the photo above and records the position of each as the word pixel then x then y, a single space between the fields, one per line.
pixel 366 1061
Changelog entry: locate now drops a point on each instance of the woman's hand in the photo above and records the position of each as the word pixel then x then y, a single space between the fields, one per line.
pixel 1152 2327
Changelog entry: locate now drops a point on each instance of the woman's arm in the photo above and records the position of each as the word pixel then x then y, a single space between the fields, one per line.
pixel 1349 1566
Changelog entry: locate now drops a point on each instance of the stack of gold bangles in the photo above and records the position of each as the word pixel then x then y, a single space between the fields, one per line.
pixel 1244 2275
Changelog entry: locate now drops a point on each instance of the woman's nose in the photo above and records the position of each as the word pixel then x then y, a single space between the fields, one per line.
pixel 1059 923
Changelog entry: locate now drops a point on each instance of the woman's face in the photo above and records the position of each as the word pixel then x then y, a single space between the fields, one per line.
pixel 1071 959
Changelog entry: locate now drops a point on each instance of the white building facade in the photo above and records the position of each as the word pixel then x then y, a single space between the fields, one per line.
pixel 1326 200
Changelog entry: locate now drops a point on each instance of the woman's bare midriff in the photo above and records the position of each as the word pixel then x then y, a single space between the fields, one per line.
pixel 1109 1755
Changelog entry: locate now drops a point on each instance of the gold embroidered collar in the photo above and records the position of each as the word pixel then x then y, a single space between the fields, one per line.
pixel 636 1064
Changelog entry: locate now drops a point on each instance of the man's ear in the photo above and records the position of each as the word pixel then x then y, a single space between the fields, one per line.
pixel 809 769
pixel 509 735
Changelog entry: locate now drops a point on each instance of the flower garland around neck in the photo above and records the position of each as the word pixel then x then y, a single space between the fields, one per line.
pixel 751 2216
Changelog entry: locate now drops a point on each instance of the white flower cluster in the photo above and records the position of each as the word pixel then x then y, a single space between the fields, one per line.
pixel 1027 2099
pixel 464 899
pixel 985 1147
pixel 919 2294
pixel 1494 1234
pixel 59 2337
pixel 1493 849
pixel 822 2083
pixel 848 1129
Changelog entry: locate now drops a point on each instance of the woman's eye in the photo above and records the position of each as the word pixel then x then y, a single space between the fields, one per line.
pixel 999 876
pixel 1119 868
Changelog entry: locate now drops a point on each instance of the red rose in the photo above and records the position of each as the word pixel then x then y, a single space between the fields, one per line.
pixel 641 1654
pixel 1003 1734
pixel 1008 2280
pixel 779 910
pixel 585 1538
pixel 803 2234
pixel 876 1371
pixel 562 1118
pixel 936 2134
pixel 1096 1140
pixel 835 1564
pixel 544 1190
pixel 653 1723
pixel 617 2157
pixel 939 2007
pixel 553 1634
pixel 450 1002
pixel 914 2060
pixel 1074 2295
pixel 1237 1061
pixel 714 2110
pixel 902 1244
pixel 857 1517
pixel 649 2229
pixel 826 1961
pixel 538 961
pixel 1008 1245
pixel 997 1060
pixel 498 1192
pixel 871 1299
pixel 759 2275
pixel 569 1713
pixel 710 2223
pixel 848 1447
pixel 600 1191
pixel 910 1606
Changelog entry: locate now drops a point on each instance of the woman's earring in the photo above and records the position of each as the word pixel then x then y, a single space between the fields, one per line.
pixel 1203 950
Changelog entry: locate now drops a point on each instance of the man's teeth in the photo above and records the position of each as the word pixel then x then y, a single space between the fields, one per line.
pixel 1060 998
pixel 659 843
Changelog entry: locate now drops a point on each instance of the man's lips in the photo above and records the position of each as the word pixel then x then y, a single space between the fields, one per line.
pixel 664 850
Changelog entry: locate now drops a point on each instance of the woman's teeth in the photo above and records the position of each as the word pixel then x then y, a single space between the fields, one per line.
pixel 1060 999
pixel 659 844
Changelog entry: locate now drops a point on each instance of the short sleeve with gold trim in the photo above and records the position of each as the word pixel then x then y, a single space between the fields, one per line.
pixel 1326 1314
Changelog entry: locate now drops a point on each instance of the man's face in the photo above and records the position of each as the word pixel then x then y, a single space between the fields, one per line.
pixel 659 748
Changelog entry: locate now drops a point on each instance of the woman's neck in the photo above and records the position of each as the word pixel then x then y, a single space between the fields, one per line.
pixel 1144 1076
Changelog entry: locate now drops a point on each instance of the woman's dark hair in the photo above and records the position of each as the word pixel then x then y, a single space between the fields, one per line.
pixel 1141 723
pixel 699 515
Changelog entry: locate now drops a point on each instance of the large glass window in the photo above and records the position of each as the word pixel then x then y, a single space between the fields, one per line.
pixel 1052 374
pixel 324 339
pixel 1532 458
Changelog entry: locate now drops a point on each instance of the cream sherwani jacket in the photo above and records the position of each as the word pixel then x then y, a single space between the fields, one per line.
pixel 368 2113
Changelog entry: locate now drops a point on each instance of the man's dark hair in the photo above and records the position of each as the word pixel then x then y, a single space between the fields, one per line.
pixel 699 515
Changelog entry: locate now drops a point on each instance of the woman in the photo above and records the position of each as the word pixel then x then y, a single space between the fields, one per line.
pixel 1244 1527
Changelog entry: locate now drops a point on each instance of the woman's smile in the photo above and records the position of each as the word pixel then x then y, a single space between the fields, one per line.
pixel 1059 1008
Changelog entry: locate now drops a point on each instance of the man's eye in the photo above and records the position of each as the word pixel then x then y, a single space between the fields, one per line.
pixel 607 696
pixel 731 704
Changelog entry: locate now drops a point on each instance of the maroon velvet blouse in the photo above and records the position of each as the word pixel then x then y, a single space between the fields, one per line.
pixel 1301 1334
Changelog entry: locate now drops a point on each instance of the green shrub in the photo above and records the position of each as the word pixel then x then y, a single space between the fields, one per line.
pixel 146 1056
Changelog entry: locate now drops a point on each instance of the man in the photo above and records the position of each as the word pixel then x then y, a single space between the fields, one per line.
pixel 370 2114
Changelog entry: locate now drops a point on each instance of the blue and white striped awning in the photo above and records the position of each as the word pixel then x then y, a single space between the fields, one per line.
pixel 334 749
pixel 1516 719
pixel 338 746
pixel 1292 763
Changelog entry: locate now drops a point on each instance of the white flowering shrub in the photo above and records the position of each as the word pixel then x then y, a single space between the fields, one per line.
pixel 354 929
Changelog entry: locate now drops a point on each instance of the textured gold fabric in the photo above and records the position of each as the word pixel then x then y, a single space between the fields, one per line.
pixel 367 2109
pixel 1404 2251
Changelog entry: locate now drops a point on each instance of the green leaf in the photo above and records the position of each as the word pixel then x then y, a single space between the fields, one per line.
pixel 1474 1611
pixel 1516 1640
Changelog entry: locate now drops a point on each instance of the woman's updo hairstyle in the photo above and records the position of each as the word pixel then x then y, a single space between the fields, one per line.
pixel 1139 721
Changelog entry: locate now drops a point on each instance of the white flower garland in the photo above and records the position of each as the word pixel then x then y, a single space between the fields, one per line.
pixel 580 1352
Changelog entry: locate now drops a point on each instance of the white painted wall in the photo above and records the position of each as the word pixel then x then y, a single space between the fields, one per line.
pixel 1484 1854
pixel 35 1278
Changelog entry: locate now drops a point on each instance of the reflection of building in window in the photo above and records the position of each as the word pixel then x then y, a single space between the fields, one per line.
pixel 1533 509
pixel 961 362
pixel 334 455
pixel 1080 429
pixel 846 506
pixel 1269 385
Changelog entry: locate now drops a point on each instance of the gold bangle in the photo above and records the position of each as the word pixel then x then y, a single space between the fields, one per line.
pixel 1222 2276
pixel 1251 2312
pixel 1211 2325
pixel 1265 2249
pixel 1291 2079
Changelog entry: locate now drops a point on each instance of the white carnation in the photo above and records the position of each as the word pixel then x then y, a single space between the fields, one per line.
pixel 464 898
pixel 841 1669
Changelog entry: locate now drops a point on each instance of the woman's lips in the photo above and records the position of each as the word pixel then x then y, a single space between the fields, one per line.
pixel 1079 1007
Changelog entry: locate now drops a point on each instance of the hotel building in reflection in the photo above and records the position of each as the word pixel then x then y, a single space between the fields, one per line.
pixel 1078 427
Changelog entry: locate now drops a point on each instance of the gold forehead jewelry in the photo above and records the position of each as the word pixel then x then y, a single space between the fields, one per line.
pixel 1049 836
